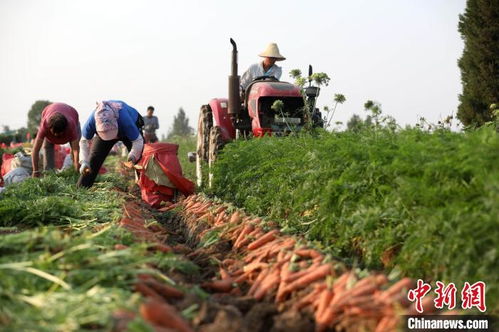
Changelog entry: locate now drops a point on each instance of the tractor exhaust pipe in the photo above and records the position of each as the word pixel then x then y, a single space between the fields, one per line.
pixel 234 99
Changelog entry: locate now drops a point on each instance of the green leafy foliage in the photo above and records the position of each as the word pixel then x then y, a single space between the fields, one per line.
pixel 479 64
pixel 185 144
pixel 59 269
pixel 424 203
pixel 56 200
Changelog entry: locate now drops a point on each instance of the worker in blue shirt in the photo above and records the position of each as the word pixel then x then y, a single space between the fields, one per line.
pixel 110 122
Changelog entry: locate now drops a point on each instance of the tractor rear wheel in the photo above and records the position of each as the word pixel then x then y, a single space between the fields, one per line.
pixel 205 123
pixel 216 144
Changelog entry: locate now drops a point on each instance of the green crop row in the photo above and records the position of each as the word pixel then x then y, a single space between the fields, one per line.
pixel 422 204
pixel 59 269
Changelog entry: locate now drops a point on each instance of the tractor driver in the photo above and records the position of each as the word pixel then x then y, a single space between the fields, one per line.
pixel 267 67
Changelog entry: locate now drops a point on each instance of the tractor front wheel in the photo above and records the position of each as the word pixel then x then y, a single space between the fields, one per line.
pixel 205 123
pixel 215 145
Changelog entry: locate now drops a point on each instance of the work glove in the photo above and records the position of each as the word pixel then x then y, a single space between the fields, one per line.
pixel 84 168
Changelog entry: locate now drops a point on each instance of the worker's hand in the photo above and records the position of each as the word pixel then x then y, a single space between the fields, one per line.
pixel 84 168
pixel 131 158
pixel 128 164
pixel 36 174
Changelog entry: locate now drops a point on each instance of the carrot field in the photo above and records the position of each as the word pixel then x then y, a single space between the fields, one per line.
pixel 410 202
pixel 318 231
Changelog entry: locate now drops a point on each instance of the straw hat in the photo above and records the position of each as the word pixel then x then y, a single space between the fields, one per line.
pixel 272 51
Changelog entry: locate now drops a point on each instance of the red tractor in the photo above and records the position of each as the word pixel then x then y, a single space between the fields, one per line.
pixel 252 113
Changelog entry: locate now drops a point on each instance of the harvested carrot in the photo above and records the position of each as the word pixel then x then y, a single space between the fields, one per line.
pixel 164 290
pixel 228 262
pixel 168 207
pixel 224 274
pixel 310 297
pixel 120 246
pixel 163 248
pixel 323 301
pixel 163 314
pixel 257 282
pixel 312 253
pixel 267 284
pixel 245 231
pixel 255 266
pixel 235 218
pixel 403 284
pixel 146 291
pixel 305 280
pixel 219 286
pixel 241 277
pixel 269 236
pixel 220 209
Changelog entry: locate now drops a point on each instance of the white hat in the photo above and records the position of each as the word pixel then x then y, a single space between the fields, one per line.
pixel 272 51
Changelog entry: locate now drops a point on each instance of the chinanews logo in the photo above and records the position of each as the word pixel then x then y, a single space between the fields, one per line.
pixel 472 296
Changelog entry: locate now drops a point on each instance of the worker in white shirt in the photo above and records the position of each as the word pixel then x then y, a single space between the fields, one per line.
pixel 266 67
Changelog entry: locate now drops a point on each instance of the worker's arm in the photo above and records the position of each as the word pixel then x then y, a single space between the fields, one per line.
pixel 75 153
pixel 136 151
pixel 84 149
pixel 35 155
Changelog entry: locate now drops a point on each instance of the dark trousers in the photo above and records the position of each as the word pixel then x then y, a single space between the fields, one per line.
pixel 98 153
pixel 48 155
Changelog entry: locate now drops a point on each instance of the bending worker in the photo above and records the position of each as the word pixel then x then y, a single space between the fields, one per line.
pixel 59 125
pixel 112 121
pixel 266 67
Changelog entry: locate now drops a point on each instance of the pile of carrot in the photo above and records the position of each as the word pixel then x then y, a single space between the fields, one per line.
pixel 162 316
pixel 133 220
pixel 274 267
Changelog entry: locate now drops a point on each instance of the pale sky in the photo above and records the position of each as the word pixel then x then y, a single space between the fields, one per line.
pixel 171 54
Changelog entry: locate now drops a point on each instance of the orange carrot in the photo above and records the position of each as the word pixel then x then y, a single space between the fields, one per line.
pixel 305 280
pixel 312 253
pixel 245 231
pixel 242 277
pixel 120 246
pixel 323 301
pixel 310 297
pixel 403 284
pixel 142 288
pixel 271 281
pixel 169 207
pixel 235 218
pixel 224 274
pixel 163 248
pixel 257 282
pixel 269 236
pixel 255 266
pixel 219 286
pixel 163 314
pixel 164 290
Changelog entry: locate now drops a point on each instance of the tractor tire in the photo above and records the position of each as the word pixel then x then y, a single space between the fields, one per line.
pixel 215 145
pixel 205 123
